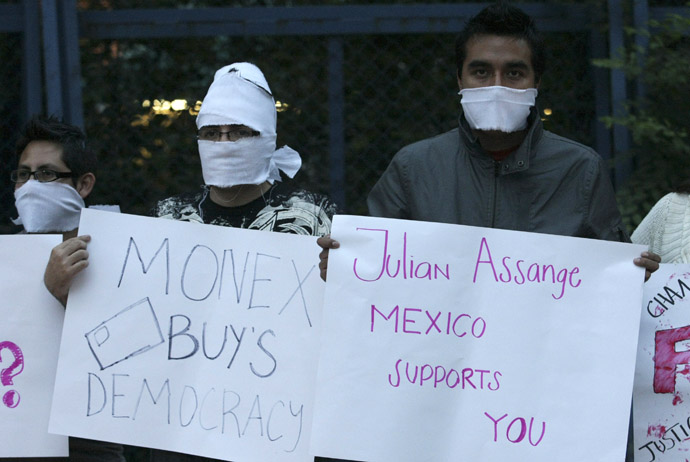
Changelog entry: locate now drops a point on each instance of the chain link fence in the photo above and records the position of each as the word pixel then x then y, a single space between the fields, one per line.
pixel 140 99
pixel 10 105
pixel 141 95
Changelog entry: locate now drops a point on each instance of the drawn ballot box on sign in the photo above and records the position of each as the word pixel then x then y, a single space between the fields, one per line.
pixel 114 340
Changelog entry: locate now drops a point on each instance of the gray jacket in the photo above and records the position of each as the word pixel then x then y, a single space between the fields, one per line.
pixel 549 185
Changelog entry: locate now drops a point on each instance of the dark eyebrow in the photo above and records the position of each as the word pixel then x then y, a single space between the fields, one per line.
pixel 518 65
pixel 477 63
pixel 40 167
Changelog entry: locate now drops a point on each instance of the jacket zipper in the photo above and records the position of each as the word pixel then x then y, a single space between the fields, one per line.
pixel 497 169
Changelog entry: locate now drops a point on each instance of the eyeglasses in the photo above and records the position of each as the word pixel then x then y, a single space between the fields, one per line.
pixel 43 175
pixel 234 134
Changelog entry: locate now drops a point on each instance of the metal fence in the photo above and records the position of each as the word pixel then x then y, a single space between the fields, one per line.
pixel 13 34
pixel 394 90
pixel 354 84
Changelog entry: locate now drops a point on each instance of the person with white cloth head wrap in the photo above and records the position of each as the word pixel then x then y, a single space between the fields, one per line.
pixel 241 169
pixel 240 97
pixel 241 166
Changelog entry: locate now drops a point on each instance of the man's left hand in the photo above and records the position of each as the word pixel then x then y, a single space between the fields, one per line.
pixel 66 261
pixel 649 261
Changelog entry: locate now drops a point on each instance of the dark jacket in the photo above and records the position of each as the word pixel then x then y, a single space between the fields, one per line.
pixel 549 185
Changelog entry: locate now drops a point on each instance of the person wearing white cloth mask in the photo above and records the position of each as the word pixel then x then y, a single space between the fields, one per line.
pixel 55 173
pixel 241 169
pixel 53 177
pixel 241 166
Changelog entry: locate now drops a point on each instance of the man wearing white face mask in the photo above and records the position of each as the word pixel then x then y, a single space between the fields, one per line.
pixel 241 165
pixel 53 177
pixel 241 168
pixel 55 173
pixel 500 168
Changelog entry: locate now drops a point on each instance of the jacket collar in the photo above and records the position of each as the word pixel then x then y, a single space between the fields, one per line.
pixel 516 161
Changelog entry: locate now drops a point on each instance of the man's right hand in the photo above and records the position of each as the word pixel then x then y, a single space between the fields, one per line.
pixel 66 261
pixel 326 243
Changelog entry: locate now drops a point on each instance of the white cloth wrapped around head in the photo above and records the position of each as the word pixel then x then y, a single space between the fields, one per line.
pixel 240 95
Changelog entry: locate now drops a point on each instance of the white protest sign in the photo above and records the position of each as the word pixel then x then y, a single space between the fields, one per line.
pixel 29 340
pixel 445 343
pixel 191 338
pixel 661 416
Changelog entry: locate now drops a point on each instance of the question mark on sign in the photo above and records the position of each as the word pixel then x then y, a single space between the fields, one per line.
pixel 11 398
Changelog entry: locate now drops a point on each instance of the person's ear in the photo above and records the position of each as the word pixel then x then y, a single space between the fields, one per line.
pixel 459 80
pixel 85 184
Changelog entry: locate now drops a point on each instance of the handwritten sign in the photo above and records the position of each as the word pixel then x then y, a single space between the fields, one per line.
pixel 191 338
pixel 445 343
pixel 29 339
pixel 662 378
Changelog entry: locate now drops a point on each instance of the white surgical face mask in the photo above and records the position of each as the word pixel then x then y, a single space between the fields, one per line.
pixel 48 207
pixel 246 161
pixel 497 108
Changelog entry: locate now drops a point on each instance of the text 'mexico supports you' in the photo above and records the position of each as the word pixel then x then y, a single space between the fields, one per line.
pixel 445 343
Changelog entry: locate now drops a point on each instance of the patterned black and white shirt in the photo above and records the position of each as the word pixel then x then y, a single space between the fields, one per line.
pixel 281 209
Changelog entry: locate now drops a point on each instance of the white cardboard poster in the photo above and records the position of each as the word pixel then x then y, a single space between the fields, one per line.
pixel 29 339
pixel 661 415
pixel 445 343
pixel 191 338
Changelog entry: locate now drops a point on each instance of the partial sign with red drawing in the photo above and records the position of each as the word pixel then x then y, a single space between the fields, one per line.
pixel 661 401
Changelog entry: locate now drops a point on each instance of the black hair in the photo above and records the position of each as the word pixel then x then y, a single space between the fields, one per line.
pixel 503 20
pixel 75 153
pixel 683 187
